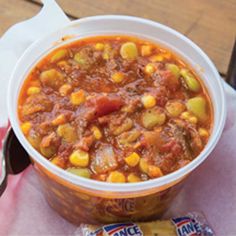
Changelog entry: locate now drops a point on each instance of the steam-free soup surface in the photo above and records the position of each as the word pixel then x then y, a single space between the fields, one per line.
pixel 115 109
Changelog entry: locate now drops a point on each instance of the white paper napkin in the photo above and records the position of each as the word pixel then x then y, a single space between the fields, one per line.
pixel 19 37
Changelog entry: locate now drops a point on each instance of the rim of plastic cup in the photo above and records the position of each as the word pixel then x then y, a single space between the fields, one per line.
pixel 117 187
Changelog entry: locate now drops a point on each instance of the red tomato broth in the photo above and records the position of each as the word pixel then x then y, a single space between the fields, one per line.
pixel 106 105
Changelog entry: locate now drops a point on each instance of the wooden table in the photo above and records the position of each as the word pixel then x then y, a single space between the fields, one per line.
pixel 211 24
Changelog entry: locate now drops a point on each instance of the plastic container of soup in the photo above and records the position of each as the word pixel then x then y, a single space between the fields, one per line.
pixel 84 200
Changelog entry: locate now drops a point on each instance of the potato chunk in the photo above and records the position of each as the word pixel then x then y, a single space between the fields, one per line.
pixel 104 160
pixel 52 78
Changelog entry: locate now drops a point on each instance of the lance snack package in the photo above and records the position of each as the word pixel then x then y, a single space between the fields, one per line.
pixel 192 224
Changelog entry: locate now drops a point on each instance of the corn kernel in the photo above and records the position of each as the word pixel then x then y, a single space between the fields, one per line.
pixel 203 132
pixel 133 178
pixel 96 132
pixel 148 101
pixel 99 46
pixel 33 90
pixel 116 177
pixel 143 165
pixel 132 159
pixel 156 58
pixel 149 69
pixel 78 97
pixel 65 89
pixel 105 56
pixel 58 162
pixel 185 115
pixel 154 171
pixel 117 77
pixel 146 50
pixel 25 127
pixel 192 119
pixel 59 120
pixel 79 158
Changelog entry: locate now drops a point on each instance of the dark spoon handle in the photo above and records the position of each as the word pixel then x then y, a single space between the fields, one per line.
pixel 4 174
pixel 14 158
pixel 3 179
pixel 231 73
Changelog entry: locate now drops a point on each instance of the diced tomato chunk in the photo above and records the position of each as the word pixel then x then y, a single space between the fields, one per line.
pixel 173 147
pixel 105 104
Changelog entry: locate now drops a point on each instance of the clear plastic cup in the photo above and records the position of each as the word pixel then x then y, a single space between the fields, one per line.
pixel 84 200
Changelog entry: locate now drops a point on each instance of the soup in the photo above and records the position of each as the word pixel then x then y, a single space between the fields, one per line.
pixel 116 109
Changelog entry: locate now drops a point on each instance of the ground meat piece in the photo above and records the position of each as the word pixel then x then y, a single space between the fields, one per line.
pixel 64 150
pixel 196 142
pixel 133 104
pixel 160 93
pixel 44 128
pixel 104 120
pixel 188 136
pixel 36 103
pixel 173 147
pixel 180 134
pixel 87 55
pixel 153 139
pixel 167 163
pixel 111 65
pixel 85 143
pixel 50 140
pixel 167 79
